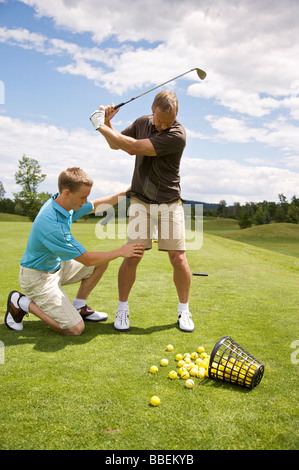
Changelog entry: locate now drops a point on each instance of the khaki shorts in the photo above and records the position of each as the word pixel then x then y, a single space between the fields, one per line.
pixel 44 288
pixel 168 218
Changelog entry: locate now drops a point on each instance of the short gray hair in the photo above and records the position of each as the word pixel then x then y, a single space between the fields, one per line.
pixel 167 101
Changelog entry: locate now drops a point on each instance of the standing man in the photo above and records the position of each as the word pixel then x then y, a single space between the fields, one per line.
pixel 54 258
pixel 158 141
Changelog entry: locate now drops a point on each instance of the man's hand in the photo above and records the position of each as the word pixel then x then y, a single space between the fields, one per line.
pixel 135 250
pixel 98 117
pixel 110 112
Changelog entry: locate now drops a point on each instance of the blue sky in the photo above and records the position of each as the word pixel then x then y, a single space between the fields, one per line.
pixel 61 59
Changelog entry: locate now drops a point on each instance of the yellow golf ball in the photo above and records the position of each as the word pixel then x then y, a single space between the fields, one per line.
pixel 189 383
pixel 169 347
pixel 178 357
pixel 185 375
pixel 164 362
pixel 201 349
pixel 201 373
pixel 194 372
pixel 181 370
pixel 181 363
pixel 194 355
pixel 172 374
pixel 154 369
pixel 155 401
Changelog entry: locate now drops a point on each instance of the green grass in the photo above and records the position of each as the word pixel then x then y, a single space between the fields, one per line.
pixel 93 391
pixel 281 238
pixel 12 218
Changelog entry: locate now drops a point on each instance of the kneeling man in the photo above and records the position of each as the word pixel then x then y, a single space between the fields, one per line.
pixel 54 258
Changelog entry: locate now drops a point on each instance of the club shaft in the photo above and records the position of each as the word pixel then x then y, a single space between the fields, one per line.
pixel 152 89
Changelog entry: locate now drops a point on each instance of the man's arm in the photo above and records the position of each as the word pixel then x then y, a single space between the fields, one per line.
pixel 94 258
pixel 109 200
pixel 116 140
pixel 101 120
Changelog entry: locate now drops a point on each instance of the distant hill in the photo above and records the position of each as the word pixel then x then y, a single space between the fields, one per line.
pixel 206 205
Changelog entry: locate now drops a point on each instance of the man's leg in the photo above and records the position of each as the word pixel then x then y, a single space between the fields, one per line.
pixel 87 285
pixel 138 231
pixel 54 325
pixel 46 300
pixel 74 272
pixel 126 277
pixel 182 281
pixel 18 305
pixel 181 274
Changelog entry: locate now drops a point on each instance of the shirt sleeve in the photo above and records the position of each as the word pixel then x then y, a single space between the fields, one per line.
pixel 63 244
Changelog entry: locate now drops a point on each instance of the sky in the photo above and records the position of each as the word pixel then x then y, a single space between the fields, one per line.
pixel 61 60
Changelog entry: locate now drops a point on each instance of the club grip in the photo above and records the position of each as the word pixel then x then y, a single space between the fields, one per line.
pixel 118 105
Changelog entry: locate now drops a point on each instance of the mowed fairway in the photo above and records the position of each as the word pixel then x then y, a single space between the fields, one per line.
pixel 93 391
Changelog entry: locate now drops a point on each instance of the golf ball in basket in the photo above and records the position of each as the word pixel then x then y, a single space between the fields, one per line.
pixel 201 373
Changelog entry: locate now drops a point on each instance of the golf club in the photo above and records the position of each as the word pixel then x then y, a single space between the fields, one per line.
pixel 201 74
pixel 200 274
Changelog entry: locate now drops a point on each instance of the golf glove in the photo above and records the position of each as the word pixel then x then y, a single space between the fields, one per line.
pixel 98 118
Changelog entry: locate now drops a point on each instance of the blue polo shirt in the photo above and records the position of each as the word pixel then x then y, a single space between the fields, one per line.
pixel 50 240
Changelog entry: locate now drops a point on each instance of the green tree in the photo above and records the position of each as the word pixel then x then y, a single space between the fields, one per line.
pixel 221 208
pixel 2 191
pixel 29 176
pixel 244 219
pixel 293 211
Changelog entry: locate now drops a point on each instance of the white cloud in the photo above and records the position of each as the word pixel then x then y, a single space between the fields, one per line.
pixel 207 180
pixel 56 149
pixel 250 66
pixel 216 179
pixel 278 133
pixel 251 55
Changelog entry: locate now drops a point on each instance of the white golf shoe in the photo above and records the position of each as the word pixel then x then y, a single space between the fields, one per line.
pixel 88 314
pixel 185 321
pixel 122 320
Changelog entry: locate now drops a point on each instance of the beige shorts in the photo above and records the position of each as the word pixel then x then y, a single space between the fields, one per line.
pixel 44 288
pixel 166 219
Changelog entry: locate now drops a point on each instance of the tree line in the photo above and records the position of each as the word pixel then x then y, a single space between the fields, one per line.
pixel 28 201
pixel 260 213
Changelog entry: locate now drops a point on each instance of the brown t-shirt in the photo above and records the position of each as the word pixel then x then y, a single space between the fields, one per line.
pixel 157 179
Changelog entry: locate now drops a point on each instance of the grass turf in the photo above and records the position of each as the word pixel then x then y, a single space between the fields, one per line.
pixel 93 391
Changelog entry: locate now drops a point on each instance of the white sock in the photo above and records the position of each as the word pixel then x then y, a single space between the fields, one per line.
pixel 23 303
pixel 123 305
pixel 79 303
pixel 183 307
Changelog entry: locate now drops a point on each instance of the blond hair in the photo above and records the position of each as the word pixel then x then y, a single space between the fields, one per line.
pixel 167 102
pixel 72 179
